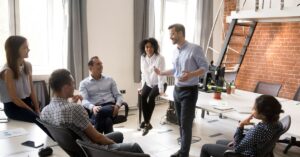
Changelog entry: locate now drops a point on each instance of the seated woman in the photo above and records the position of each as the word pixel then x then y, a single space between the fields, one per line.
pixel 267 109
pixel 16 87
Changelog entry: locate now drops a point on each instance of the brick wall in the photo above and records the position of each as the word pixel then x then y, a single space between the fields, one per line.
pixel 273 56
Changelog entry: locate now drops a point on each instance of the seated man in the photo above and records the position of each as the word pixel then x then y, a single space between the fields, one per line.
pixel 60 112
pixel 100 96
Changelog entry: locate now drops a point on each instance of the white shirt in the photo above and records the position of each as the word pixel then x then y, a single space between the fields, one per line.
pixel 148 75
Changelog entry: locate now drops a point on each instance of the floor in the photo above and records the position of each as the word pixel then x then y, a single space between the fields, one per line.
pixel 160 142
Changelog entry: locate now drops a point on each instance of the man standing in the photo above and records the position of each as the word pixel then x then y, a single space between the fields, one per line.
pixel 60 112
pixel 100 96
pixel 189 63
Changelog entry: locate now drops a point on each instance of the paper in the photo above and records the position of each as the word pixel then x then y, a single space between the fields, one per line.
pixel 12 133
pixel 220 105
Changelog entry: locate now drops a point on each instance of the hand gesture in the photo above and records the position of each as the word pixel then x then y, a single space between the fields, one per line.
pixel 246 121
pixel 157 71
pixel 75 98
pixel 185 76
pixel 96 109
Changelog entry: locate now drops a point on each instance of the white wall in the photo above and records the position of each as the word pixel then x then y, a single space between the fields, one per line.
pixel 110 36
pixel 217 33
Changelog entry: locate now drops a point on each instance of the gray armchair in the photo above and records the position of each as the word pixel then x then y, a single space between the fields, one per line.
pixel 267 88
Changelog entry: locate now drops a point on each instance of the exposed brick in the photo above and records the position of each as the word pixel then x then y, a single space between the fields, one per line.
pixel 272 56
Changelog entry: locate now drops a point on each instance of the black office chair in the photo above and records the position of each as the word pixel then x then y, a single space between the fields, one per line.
pixel 267 149
pixel 267 88
pixel 292 140
pixel 65 138
pixel 94 150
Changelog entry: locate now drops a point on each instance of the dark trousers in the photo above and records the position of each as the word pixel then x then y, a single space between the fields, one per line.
pixel 148 96
pixel 15 112
pixel 103 120
pixel 215 150
pixel 127 147
pixel 185 103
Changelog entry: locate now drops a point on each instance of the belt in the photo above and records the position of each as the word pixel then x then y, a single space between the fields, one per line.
pixel 186 87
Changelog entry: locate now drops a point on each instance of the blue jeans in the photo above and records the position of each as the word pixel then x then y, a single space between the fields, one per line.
pixel 103 120
pixel 185 103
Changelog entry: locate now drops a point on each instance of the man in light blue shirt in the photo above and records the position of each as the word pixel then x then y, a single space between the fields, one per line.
pixel 188 64
pixel 100 96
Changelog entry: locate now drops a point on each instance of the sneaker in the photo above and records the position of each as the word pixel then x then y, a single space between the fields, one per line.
pixel 177 154
pixel 146 129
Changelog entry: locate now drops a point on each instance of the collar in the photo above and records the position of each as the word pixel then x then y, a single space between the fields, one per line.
pixel 59 99
pixel 91 77
pixel 183 46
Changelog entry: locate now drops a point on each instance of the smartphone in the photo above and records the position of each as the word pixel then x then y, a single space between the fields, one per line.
pixel 32 144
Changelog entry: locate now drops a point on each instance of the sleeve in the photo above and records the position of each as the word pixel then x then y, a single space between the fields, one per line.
pixel 80 117
pixel 252 138
pixel 117 95
pixel 161 79
pixel 142 72
pixel 201 59
pixel 84 93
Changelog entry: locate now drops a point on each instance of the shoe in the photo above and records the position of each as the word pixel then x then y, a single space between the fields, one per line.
pixel 177 154
pixel 43 152
pixel 142 125
pixel 146 129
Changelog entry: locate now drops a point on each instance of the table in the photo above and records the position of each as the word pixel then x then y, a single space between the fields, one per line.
pixel 241 100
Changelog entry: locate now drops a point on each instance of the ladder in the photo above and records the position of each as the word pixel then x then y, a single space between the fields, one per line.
pixel 229 56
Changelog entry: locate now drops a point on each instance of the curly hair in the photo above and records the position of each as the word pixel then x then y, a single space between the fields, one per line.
pixel 154 44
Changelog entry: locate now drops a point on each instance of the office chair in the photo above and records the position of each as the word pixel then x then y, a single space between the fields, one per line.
pixel 42 92
pixel 267 149
pixel 267 88
pixel 292 140
pixel 94 150
pixel 65 138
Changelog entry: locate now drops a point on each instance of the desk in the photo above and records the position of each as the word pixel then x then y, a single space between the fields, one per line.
pixel 241 99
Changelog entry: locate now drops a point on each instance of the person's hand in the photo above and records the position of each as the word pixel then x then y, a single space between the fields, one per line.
pixel 37 110
pixel 96 109
pixel 116 110
pixel 75 98
pixel 140 91
pixel 156 70
pixel 230 144
pixel 185 76
pixel 246 121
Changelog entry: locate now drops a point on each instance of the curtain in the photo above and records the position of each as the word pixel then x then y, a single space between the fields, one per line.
pixel 77 40
pixel 142 26
pixel 204 24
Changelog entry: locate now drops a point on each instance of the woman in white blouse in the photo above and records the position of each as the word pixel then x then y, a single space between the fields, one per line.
pixel 152 84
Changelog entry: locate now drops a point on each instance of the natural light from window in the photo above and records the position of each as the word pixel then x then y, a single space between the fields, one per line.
pixel 44 24
pixel 169 12
pixel 4 29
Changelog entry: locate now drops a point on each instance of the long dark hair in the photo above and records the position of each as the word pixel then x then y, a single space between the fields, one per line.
pixel 154 44
pixel 12 47
pixel 268 106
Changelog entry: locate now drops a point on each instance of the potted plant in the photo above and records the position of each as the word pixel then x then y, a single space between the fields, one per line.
pixel 218 92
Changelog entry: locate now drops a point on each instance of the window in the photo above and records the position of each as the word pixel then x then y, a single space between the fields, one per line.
pixel 4 29
pixel 44 24
pixel 168 12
